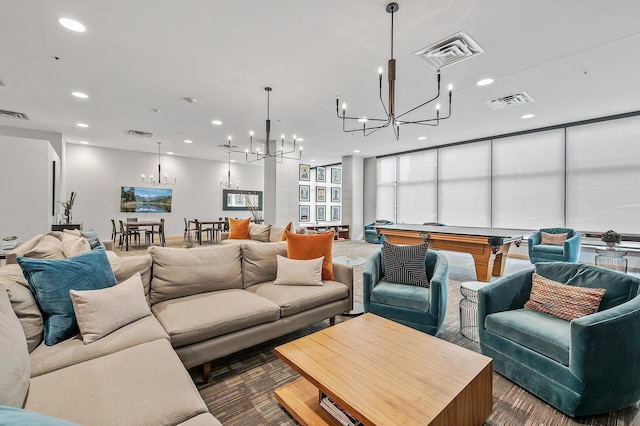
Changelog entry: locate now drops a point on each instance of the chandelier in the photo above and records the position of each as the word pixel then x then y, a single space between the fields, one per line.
pixel 272 149
pixel 163 179
pixel 226 183
pixel 392 118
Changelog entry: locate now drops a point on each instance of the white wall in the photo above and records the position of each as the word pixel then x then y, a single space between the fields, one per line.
pixel 353 195
pixel 97 174
pixel 27 195
pixel 370 189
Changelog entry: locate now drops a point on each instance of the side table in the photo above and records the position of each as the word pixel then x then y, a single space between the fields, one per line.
pixel 612 258
pixel 358 308
pixel 469 309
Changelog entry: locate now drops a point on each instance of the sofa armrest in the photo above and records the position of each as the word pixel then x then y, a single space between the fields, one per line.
pixel 224 236
pixel 344 275
pixel 605 348
pixel 371 275
pixel 108 245
pixel 504 294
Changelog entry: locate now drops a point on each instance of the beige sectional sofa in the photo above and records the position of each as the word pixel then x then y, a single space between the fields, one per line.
pixel 206 302
pixel 261 233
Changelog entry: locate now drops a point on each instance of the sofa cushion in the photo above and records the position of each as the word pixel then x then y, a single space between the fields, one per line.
pixel 620 287
pixel 259 232
pixel 553 239
pixel 299 272
pixel 17 416
pixel 405 264
pixel 277 233
pixel 126 267
pixel 295 299
pixel 402 295
pixel 14 367
pixel 50 280
pixel 545 334
pixel 23 303
pixel 305 247
pixel 239 229
pixel 45 359
pixel 259 262
pixel 566 302
pixel 180 272
pixel 203 316
pixel 143 384
pixel 73 245
pixel 49 247
pixel 100 312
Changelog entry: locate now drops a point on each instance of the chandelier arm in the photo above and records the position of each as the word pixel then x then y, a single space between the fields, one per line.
pixel 424 103
pixel 431 120
pixel 386 124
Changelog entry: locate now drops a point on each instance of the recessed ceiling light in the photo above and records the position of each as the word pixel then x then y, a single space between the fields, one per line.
pixel 188 141
pixel 71 24
pixel 356 150
pixel 421 138
pixel 169 152
pixel 485 82
pixel 82 125
pixel 233 161
pixel 528 116
pixel 216 122
pixel 80 95
pixel 300 139
pixel 313 161
pixel 84 142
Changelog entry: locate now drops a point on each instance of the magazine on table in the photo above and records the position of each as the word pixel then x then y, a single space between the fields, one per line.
pixel 338 412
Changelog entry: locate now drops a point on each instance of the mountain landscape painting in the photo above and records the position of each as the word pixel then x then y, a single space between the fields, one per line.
pixel 145 200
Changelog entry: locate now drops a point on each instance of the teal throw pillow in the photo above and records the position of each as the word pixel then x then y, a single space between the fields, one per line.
pixel 405 264
pixel 50 281
pixel 17 416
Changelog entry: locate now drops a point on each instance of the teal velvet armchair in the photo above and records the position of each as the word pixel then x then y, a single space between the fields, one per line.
pixel 567 252
pixel 587 366
pixel 421 308
pixel 371 235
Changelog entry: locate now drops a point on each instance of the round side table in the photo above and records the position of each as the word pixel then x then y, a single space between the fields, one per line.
pixel 469 309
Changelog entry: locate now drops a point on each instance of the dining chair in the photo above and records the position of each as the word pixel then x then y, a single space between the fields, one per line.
pixel 128 234
pixel 148 236
pixel 135 229
pixel 207 231
pixel 115 233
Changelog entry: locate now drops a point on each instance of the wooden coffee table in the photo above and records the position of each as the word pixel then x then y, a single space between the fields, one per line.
pixel 382 372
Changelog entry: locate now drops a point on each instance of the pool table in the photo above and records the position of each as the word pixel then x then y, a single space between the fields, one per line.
pixel 487 246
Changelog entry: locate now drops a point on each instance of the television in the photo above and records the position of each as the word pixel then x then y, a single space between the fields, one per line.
pixel 145 200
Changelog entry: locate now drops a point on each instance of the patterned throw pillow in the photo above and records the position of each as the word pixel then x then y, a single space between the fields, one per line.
pixel 405 264
pixel 563 301
pixel 553 239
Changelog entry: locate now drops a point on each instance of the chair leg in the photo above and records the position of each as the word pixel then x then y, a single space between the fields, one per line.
pixel 332 321
pixel 206 371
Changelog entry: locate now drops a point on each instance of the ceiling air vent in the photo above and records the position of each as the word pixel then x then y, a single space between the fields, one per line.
pixel 509 101
pixel 450 50
pixel 139 133
pixel 13 114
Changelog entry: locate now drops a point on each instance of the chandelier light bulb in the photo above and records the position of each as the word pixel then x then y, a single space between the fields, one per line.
pixel 363 120
pixel 251 133
pixel 450 87
pixel 344 106
pixel 438 107
pixel 380 70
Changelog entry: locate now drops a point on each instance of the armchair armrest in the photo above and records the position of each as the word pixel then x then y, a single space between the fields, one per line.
pixel 605 348
pixel 571 247
pixel 505 294
pixel 439 285
pixel 533 240
pixel 370 277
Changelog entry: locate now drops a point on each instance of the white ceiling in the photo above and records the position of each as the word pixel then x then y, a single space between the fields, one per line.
pixel 578 59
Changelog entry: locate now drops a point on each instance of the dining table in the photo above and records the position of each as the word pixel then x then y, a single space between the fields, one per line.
pixel 198 226
pixel 137 225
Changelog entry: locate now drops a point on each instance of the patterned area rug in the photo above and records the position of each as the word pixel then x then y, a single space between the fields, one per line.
pixel 240 390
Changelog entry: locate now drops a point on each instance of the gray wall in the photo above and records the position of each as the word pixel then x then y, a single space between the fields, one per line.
pixel 370 189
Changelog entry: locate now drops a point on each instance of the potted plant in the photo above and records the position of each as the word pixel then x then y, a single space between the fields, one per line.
pixel 68 205
pixel 611 238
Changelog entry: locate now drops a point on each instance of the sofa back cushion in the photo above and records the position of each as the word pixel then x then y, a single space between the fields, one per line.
pixel 126 267
pixel 619 287
pixel 259 232
pixel 14 368
pixel 49 246
pixel 259 262
pixel 179 272
pixel 277 233
pixel 23 303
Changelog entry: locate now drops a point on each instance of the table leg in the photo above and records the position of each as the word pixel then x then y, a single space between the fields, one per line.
pixel 199 232
pixel 483 265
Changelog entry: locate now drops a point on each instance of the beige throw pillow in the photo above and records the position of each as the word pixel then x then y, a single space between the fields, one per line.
pixel 299 272
pixel 73 245
pixel 552 239
pixel 100 312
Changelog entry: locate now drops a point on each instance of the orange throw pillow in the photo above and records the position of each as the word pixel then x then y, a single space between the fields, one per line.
pixel 286 229
pixel 239 229
pixel 307 247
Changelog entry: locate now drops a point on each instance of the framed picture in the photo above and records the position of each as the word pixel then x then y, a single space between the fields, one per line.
pixel 335 213
pixel 145 200
pixel 233 199
pixel 335 194
pixel 304 214
pixel 320 174
pixel 336 175
pixel 321 213
pixel 321 194
pixel 304 172
pixel 304 193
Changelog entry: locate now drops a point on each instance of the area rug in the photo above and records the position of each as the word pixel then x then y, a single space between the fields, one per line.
pixel 240 389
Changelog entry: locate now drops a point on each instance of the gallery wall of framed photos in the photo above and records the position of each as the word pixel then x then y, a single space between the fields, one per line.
pixel 320 194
